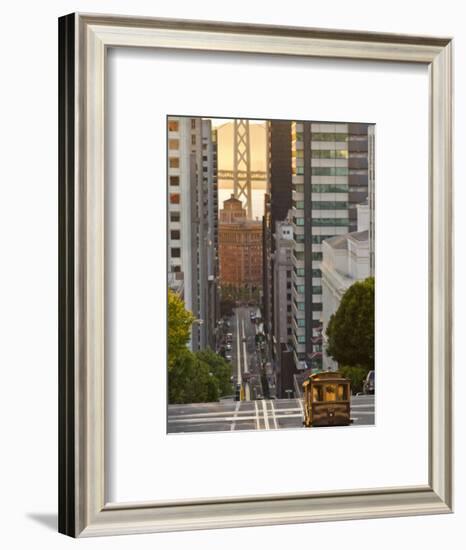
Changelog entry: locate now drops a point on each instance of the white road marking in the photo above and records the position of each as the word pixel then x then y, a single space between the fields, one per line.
pixel 266 416
pixel 300 403
pixel 258 424
pixel 233 424
pixel 274 418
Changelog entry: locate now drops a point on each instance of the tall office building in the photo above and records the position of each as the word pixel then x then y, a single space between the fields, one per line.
pixel 276 208
pixel 192 209
pixel 330 167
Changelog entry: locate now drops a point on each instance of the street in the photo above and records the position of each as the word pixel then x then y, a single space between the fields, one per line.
pixel 273 414
pixel 245 367
pixel 253 412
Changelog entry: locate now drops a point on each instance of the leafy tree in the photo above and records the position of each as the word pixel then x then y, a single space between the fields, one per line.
pixel 189 380
pixel 219 368
pixel 179 327
pixel 350 332
pixel 357 375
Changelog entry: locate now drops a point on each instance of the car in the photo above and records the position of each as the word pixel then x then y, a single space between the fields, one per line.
pixel 368 387
pixel 245 339
pixel 228 357
pixel 228 347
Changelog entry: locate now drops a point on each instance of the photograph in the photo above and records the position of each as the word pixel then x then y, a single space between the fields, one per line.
pixel 271 274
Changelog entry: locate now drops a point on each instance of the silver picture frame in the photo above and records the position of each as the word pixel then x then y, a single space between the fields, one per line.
pixel 84 40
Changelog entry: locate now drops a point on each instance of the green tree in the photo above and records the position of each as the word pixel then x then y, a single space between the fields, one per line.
pixel 219 368
pixel 189 380
pixel 350 332
pixel 357 375
pixel 180 321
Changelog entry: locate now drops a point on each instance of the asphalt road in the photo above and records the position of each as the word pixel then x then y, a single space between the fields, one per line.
pixel 229 415
pixel 244 361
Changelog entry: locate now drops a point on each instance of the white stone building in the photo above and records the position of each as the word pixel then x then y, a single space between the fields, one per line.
pixel 346 259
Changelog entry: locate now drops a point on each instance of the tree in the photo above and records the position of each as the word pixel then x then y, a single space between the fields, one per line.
pixel 350 332
pixel 356 375
pixel 189 380
pixel 180 321
pixel 218 368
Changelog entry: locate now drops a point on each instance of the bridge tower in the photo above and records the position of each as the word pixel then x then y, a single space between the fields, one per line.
pixel 242 164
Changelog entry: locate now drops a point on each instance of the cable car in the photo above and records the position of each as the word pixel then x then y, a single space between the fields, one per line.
pixel 326 400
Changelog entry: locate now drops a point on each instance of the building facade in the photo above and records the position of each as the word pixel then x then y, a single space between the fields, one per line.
pixel 346 259
pixel 276 208
pixel 192 210
pixel 240 247
pixel 330 176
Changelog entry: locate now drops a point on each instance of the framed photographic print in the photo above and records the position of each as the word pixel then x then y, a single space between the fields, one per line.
pixel 255 275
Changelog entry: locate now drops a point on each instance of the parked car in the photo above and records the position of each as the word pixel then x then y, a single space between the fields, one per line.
pixel 368 387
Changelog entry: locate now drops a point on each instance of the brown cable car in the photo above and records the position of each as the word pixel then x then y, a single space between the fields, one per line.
pixel 326 400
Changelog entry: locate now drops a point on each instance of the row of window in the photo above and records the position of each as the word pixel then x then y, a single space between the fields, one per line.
pixel 329 154
pixel 323 188
pixel 329 136
pixel 329 171
pixel 326 222
pixel 322 205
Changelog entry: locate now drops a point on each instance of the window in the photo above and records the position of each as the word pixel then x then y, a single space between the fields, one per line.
pixel 325 222
pixel 299 271
pixel 193 139
pixel 288 308
pixel 301 323
pixel 317 256
pixel 329 205
pixel 175 252
pixel 332 188
pixel 175 235
pixel 329 136
pixel 299 238
pixel 175 180
pixel 329 171
pixel 288 285
pixel 298 221
pixel 298 204
pixel 316 307
pixel 174 216
pixel 174 162
pixel 174 198
pixel 173 125
pixel 299 188
pixel 173 144
pixel 329 154
pixel 316 290
pixel 301 339
pixel 193 123
pixel 316 273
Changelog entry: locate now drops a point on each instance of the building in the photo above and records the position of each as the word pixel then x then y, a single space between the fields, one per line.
pixel 276 208
pixel 240 247
pixel 331 163
pixel 282 317
pixel 346 259
pixel 192 211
